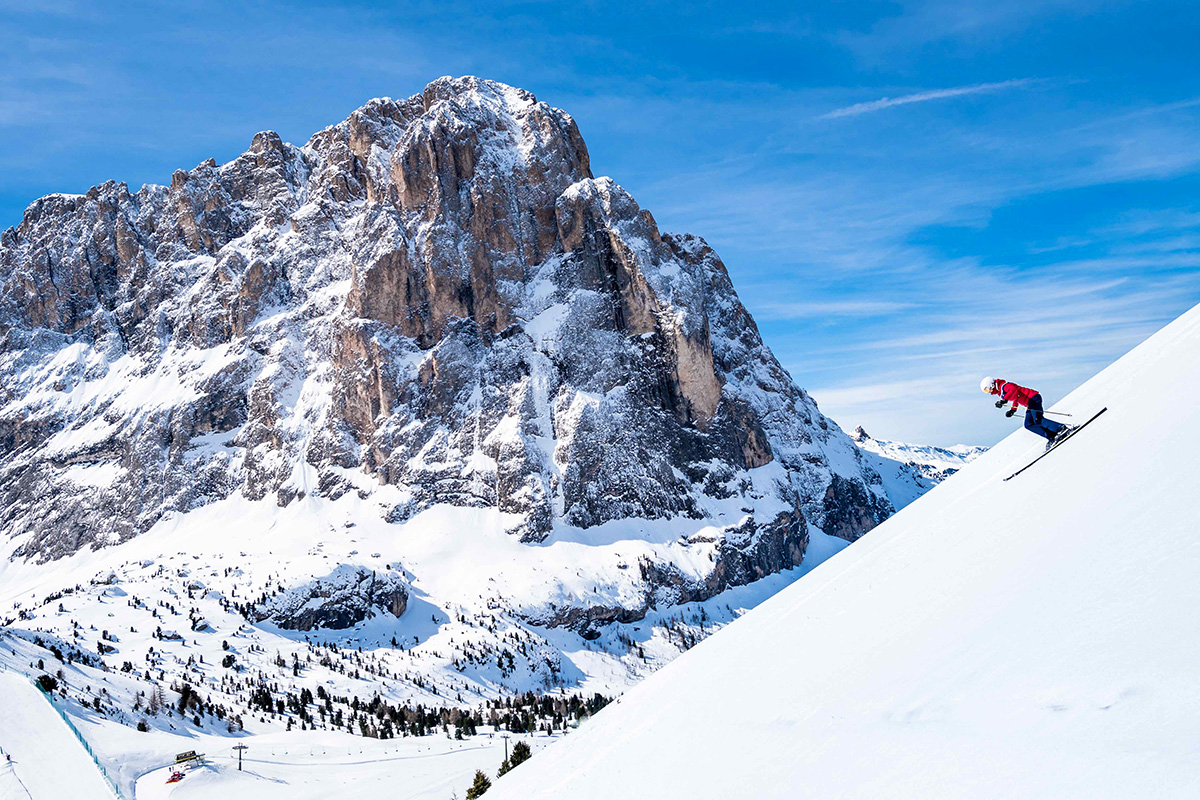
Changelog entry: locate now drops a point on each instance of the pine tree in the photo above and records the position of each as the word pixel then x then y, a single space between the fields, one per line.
pixel 520 753
pixel 481 785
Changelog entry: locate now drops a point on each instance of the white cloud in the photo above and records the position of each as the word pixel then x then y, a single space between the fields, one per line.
pixel 922 97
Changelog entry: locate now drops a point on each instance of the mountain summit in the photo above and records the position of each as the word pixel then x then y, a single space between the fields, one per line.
pixel 435 297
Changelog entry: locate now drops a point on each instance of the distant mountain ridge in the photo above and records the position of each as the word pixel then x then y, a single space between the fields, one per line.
pixel 910 470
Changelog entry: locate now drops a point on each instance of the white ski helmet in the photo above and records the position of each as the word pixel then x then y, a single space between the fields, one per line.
pixel 987 384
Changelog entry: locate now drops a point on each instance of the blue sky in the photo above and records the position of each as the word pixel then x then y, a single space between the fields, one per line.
pixel 907 195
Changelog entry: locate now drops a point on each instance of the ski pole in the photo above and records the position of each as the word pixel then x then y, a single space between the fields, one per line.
pixel 1059 413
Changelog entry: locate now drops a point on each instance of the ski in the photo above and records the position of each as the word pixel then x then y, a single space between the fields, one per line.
pixel 1057 444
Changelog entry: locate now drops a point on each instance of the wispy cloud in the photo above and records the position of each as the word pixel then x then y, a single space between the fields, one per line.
pixel 922 97
pixel 831 308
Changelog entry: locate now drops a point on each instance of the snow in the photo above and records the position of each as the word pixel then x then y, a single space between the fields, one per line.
pixel 48 762
pixel 93 475
pixel 51 763
pixel 545 325
pixel 234 549
pixel 291 767
pixel 1033 638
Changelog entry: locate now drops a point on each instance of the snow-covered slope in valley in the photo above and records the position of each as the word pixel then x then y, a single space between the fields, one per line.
pixel 1033 638
pixel 910 470
pixel 47 761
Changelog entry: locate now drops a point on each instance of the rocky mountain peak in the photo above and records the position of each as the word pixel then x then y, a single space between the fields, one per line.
pixel 431 302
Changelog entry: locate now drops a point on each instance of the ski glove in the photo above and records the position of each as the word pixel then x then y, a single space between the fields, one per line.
pixel 1000 403
pixel 1010 412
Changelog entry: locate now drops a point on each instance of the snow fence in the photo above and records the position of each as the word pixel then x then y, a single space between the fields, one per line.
pixel 87 747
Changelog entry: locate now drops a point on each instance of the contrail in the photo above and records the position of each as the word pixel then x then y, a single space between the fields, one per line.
pixel 921 97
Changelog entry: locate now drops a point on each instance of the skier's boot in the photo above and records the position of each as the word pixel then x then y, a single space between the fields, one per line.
pixel 1063 433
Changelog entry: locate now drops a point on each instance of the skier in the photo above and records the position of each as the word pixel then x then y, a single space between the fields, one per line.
pixel 1035 417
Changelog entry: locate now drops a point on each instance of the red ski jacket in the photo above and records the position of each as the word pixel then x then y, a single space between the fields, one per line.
pixel 1017 395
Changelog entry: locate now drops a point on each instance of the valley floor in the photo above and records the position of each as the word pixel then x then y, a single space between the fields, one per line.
pixel 319 765
pixel 120 596
pixel 49 762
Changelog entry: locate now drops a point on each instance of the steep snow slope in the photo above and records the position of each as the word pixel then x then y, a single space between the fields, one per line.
pixel 1030 638
pixel 48 761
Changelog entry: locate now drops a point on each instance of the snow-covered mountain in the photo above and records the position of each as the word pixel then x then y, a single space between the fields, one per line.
pixel 910 470
pixel 430 304
pixel 420 411
pixel 434 296
pixel 1025 638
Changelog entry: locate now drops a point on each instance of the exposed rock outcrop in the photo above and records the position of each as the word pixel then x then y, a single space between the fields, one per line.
pixel 340 600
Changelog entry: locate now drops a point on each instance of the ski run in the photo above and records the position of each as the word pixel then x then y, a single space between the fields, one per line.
pixel 1029 639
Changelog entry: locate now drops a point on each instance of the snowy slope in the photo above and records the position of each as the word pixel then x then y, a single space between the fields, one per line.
pixel 1034 638
pixel 295 764
pixel 448 652
pixel 47 760
pixel 296 767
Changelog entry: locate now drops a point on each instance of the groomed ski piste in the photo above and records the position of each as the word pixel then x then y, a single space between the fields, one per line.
pixel 1036 638
pixel 301 764
pixel 48 762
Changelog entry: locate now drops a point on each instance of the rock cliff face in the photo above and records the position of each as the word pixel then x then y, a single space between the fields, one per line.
pixel 435 298
pixel 340 600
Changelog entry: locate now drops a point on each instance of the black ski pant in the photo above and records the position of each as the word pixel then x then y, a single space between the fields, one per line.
pixel 1035 419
